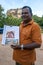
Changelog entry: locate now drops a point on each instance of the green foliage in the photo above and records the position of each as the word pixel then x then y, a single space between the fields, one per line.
pixel 2 16
pixel 39 20
pixel 1 10
pixel 13 21
pixel 9 20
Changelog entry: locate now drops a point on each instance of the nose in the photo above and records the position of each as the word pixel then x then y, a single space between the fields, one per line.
pixel 23 14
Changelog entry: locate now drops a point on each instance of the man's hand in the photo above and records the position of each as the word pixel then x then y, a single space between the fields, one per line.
pixel 16 46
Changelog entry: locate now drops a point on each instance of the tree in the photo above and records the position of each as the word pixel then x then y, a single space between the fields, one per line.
pixel 13 21
pixel 1 10
pixel 2 16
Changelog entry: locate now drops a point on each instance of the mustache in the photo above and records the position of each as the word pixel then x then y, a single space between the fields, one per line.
pixel 23 17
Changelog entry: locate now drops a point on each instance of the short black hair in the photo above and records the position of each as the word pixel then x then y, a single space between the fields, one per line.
pixel 28 8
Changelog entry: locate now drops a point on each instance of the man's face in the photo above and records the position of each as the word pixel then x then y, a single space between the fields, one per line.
pixel 26 14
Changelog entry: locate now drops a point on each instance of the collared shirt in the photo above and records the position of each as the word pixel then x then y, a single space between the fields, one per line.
pixel 29 33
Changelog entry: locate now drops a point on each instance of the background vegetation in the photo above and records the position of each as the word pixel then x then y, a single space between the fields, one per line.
pixel 9 20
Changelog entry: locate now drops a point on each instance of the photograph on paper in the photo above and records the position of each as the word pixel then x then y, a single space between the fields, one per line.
pixel 10 35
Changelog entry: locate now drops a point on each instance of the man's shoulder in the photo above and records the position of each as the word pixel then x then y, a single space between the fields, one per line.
pixel 22 22
pixel 35 25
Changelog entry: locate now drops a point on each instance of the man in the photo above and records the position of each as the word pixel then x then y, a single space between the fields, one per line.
pixel 30 39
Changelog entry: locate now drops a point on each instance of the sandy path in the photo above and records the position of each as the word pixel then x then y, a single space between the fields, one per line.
pixel 6 54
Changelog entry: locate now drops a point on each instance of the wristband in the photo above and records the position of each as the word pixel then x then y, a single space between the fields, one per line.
pixel 22 47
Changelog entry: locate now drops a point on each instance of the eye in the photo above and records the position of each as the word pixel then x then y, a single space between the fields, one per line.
pixel 24 12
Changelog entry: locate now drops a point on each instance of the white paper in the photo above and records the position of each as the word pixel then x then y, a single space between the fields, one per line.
pixel 10 35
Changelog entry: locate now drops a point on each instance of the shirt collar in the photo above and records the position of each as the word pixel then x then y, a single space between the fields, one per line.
pixel 29 23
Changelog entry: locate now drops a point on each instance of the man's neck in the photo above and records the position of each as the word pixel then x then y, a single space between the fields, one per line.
pixel 26 21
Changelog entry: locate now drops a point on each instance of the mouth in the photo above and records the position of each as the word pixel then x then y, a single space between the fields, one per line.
pixel 24 18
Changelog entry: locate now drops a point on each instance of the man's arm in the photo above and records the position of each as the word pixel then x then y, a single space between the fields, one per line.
pixel 27 46
pixel 31 46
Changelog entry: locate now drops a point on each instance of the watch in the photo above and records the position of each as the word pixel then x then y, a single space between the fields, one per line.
pixel 22 47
